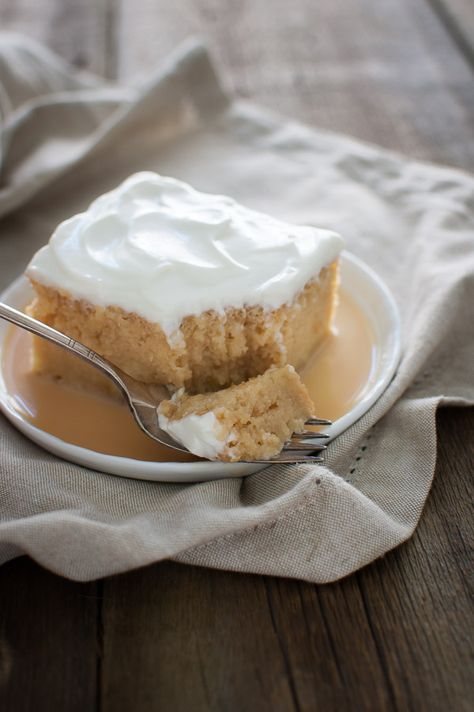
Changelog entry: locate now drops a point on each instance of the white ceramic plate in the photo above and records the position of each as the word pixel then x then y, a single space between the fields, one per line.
pixel 361 284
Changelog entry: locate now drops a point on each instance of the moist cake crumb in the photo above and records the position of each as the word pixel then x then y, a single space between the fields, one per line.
pixel 248 421
pixel 214 351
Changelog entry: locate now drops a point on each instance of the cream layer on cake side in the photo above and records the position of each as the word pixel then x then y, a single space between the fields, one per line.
pixel 248 421
pixel 183 288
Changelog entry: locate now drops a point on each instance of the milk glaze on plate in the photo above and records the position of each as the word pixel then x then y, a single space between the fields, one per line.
pixel 345 377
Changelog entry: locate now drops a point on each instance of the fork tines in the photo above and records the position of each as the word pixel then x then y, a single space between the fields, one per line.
pixel 309 435
pixel 318 421
pixel 296 459
pixel 300 449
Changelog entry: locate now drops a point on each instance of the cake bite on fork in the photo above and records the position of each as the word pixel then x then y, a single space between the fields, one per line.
pixel 246 422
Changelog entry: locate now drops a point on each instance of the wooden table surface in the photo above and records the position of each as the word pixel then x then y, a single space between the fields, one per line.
pixel 396 635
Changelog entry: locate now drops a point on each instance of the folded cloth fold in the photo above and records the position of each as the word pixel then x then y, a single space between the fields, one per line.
pixel 412 222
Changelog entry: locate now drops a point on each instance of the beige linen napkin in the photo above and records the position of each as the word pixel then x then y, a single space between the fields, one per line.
pixel 412 222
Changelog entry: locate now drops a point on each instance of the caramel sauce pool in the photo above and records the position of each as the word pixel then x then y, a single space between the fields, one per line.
pixel 336 377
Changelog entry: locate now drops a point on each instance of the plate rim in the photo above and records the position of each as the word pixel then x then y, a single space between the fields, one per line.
pixel 178 472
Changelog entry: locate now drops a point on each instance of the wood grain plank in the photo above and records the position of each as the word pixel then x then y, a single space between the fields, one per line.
pixel 332 656
pixel 78 30
pixel 396 636
pixel 179 638
pixel 383 71
pixel 48 641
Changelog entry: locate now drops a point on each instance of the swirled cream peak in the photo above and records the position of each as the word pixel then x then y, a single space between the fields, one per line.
pixel 157 247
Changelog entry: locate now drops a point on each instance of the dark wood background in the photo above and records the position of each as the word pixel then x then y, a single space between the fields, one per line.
pixel 396 635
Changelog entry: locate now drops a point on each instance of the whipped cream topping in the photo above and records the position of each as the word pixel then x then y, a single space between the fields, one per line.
pixel 157 247
pixel 199 433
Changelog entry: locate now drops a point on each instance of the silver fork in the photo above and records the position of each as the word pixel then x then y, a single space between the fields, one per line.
pixel 143 399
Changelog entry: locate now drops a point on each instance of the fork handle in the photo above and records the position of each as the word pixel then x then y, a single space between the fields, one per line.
pixel 56 337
